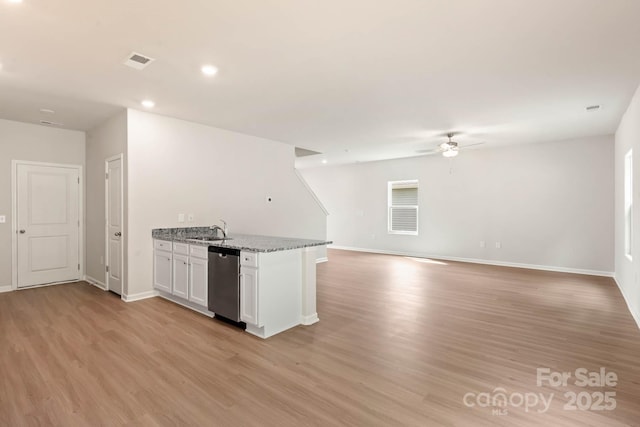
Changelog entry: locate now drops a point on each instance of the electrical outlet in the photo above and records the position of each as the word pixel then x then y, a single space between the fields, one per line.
pixel 180 217
pixel 498 245
pixel 3 219
pixel 483 244
pixel 190 218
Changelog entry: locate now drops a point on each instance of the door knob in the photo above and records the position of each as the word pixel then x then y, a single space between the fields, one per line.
pixel 118 234
pixel 23 231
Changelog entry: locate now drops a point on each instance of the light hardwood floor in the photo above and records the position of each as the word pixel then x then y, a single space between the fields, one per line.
pixel 400 342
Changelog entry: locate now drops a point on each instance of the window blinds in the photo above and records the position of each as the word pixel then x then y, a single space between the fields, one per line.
pixel 403 207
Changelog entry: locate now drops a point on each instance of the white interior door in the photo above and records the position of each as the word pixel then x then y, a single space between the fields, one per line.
pixel 48 224
pixel 114 225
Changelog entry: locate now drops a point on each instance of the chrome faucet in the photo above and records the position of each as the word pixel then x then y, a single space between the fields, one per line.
pixel 215 228
pixel 224 226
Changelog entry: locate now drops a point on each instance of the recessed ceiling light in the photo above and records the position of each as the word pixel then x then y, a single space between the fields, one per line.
pixel 209 70
pixel 15 1
pixel 324 161
pixel 593 108
pixel 147 103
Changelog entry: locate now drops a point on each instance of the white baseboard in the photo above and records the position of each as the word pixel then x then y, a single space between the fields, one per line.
pixel 481 261
pixel 632 310
pixel 321 260
pixel 310 320
pixel 139 296
pixel 5 289
pixel 95 282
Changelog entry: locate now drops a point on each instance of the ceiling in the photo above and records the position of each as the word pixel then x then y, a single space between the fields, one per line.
pixel 356 80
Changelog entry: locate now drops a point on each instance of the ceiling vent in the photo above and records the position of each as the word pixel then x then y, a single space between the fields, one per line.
pixel 50 123
pixel 138 61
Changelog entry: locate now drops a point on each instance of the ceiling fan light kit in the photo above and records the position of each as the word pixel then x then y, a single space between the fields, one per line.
pixel 449 148
pixel 450 153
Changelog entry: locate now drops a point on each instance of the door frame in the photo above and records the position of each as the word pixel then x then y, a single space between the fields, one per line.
pixel 14 217
pixel 106 220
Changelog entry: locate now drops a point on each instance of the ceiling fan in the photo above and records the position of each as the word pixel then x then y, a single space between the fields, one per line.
pixel 448 148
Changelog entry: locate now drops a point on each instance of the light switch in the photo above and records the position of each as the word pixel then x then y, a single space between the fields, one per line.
pixel 180 217
pixel 498 245
pixel 3 219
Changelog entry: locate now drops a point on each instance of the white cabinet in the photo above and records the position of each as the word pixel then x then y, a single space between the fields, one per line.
pixel 198 280
pixel 182 270
pixel 181 276
pixel 249 295
pixel 162 261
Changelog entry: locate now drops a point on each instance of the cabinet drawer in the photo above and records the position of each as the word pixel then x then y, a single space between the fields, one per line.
pixel 199 251
pixel 249 259
pixel 163 245
pixel 181 248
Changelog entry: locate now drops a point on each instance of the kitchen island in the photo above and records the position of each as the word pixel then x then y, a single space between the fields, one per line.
pixel 277 275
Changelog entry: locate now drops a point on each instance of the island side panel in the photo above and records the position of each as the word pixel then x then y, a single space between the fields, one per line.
pixel 280 291
pixel 309 313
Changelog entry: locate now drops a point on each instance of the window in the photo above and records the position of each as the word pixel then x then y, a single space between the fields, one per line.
pixel 628 204
pixel 403 207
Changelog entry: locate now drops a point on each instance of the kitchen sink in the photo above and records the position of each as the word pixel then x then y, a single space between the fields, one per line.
pixel 209 239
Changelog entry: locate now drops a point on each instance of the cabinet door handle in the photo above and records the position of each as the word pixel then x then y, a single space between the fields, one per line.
pixel 23 231
pixel 118 234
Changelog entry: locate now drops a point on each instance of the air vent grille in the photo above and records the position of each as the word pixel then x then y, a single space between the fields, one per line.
pixel 138 61
pixel 49 123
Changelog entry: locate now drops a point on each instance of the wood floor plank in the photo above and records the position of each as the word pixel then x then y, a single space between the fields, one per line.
pixel 400 343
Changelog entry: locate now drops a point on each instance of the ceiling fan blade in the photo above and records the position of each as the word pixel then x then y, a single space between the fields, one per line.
pixel 471 145
pixel 429 151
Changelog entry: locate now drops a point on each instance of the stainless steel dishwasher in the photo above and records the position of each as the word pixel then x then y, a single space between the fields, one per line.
pixel 224 283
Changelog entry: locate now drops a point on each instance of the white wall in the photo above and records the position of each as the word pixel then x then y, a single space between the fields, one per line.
pixel 22 141
pixel 182 167
pixel 548 204
pixel 628 137
pixel 104 141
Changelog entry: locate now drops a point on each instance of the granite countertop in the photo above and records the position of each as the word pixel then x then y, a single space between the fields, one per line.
pixel 244 242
